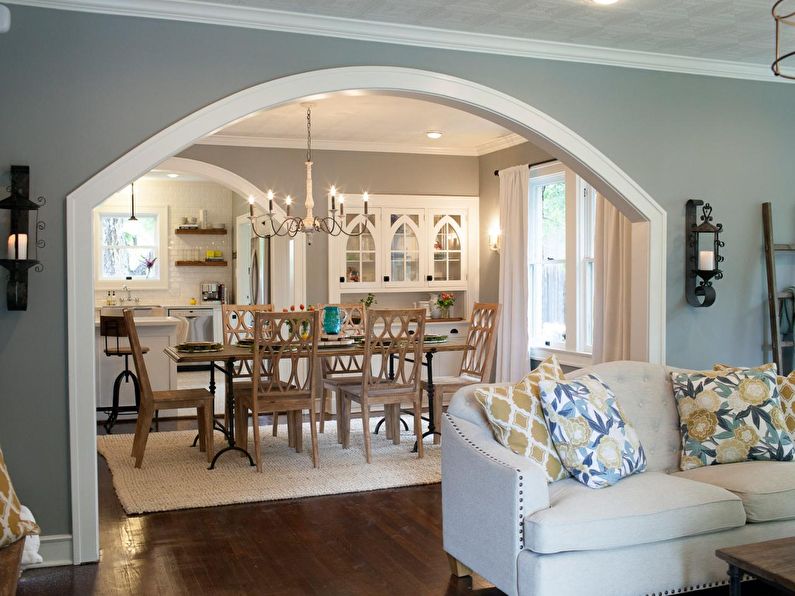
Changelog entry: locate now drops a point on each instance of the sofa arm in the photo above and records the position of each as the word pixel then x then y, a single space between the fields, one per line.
pixel 487 490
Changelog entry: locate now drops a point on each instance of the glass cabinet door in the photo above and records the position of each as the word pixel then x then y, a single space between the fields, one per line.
pixel 403 248
pixel 447 239
pixel 361 256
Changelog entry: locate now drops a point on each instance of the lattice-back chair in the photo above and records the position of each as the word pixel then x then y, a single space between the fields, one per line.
pixel 284 354
pixel 239 325
pixel 476 363
pixel 152 401
pixel 397 335
pixel 342 370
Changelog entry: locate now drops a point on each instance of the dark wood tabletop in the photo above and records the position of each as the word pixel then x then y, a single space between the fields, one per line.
pixel 772 561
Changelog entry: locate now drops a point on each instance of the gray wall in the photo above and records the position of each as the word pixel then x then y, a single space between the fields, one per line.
pixel 80 90
pixel 525 153
pixel 352 171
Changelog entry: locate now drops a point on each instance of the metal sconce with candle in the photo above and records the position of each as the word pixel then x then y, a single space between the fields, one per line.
pixel 702 254
pixel 22 253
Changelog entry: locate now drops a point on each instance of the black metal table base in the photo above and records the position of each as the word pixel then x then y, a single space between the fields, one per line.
pixel 231 448
pixel 217 426
pixel 381 423
pixel 427 433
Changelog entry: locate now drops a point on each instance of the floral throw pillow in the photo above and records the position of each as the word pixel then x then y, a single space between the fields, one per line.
pixel 12 526
pixel 730 416
pixel 595 442
pixel 786 390
pixel 517 420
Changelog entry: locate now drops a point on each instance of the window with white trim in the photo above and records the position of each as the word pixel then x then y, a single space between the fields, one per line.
pixel 562 213
pixel 130 253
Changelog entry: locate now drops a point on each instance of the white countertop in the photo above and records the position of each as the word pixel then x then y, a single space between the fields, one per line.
pixel 151 321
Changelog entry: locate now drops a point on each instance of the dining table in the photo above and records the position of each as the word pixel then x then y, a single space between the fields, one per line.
pixel 224 358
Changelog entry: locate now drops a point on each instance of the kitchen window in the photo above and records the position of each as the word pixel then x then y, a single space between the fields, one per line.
pixel 561 260
pixel 131 253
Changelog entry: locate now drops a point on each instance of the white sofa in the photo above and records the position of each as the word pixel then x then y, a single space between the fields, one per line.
pixel 652 533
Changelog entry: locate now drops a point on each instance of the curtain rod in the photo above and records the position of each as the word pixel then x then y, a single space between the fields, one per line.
pixel 533 165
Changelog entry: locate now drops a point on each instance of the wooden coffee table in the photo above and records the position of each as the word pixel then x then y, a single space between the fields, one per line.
pixel 772 562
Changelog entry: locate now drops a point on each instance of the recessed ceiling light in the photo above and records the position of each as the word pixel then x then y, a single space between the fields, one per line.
pixel 605 2
pixel 433 134
pixel 172 175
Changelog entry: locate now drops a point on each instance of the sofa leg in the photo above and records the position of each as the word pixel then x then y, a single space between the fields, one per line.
pixel 457 568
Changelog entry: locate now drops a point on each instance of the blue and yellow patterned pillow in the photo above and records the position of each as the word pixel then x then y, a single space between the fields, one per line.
pixel 594 441
pixel 729 416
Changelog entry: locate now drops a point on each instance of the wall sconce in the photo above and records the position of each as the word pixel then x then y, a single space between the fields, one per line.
pixel 494 236
pixel 702 255
pixel 22 254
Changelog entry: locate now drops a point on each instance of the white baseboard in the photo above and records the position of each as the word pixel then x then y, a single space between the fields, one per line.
pixel 56 550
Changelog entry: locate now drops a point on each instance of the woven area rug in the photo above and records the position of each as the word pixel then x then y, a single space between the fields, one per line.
pixel 175 475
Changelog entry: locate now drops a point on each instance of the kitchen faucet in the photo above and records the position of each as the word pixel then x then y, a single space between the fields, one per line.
pixel 129 297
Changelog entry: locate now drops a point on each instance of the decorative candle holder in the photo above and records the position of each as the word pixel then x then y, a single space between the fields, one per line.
pixel 702 255
pixel 20 249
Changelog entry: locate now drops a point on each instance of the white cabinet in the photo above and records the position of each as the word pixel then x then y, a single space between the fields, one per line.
pixel 406 243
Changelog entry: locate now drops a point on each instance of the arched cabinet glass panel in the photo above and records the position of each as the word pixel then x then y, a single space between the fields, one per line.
pixel 360 251
pixel 448 248
pixel 404 248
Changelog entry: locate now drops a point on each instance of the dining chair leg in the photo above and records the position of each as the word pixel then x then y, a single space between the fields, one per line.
pixel 142 437
pixel 290 429
pixel 366 428
pixel 257 450
pixel 323 400
pixel 418 427
pixel 138 430
pixel 395 423
pixel 275 424
pixel 338 398
pixel 437 416
pixel 208 429
pixel 241 426
pixel 313 432
pixel 200 422
pixel 298 425
pixel 387 421
pixel 345 422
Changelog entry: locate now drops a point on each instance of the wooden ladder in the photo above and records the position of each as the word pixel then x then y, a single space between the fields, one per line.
pixel 774 297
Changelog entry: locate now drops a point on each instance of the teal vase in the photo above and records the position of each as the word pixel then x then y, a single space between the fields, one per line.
pixel 331 320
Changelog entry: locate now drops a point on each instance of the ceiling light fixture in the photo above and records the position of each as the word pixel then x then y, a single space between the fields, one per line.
pixel 605 2
pixel 172 175
pixel 433 134
pixel 785 19
pixel 267 226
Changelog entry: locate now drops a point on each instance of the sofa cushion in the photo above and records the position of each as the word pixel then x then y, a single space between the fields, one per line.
pixel 643 508
pixel 517 419
pixel 595 442
pixel 767 488
pixel 12 526
pixel 730 416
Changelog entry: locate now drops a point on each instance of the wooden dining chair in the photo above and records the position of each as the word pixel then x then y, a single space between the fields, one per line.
pixel 395 334
pixel 342 370
pixel 476 363
pixel 285 350
pixel 153 401
pixel 238 323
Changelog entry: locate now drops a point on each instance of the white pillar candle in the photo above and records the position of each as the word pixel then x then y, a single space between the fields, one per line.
pixel 18 241
pixel 706 260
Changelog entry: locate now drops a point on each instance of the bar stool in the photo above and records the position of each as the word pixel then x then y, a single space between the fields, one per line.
pixel 115 327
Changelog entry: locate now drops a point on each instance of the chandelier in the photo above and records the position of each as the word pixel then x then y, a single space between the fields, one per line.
pixel 782 18
pixel 269 225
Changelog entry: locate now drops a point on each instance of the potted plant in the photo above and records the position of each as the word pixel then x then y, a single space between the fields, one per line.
pixel 445 302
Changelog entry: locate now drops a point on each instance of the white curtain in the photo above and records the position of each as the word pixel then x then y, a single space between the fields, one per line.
pixel 612 309
pixel 513 360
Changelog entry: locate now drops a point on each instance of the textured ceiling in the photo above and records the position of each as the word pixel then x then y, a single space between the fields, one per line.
pixel 362 118
pixel 735 30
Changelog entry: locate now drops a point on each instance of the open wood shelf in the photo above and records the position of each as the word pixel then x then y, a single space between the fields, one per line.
pixel 203 231
pixel 784 247
pixel 201 263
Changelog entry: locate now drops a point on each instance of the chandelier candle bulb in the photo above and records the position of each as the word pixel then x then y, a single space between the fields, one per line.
pixel 250 206
pixel 331 193
pixel 18 247
pixel 342 203
pixel 288 201
pixel 270 201
pixel 366 199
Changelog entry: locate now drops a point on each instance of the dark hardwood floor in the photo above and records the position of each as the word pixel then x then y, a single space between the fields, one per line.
pixel 384 542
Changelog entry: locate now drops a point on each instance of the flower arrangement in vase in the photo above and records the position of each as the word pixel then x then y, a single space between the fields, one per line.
pixel 445 302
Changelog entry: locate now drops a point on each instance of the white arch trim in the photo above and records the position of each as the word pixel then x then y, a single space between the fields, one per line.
pixel 516 115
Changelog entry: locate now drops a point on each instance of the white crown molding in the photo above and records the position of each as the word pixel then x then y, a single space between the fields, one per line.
pixel 412 35
pixel 503 142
